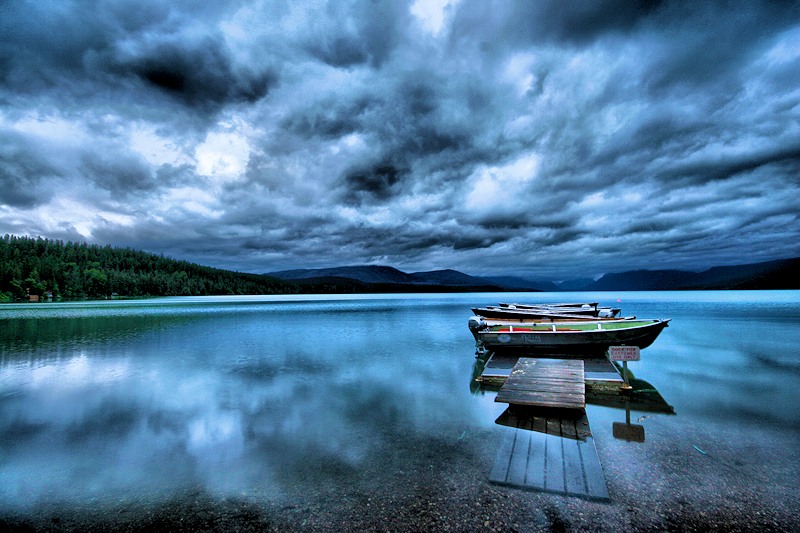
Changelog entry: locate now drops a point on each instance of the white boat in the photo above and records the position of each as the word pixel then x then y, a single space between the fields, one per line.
pixel 530 311
pixel 580 308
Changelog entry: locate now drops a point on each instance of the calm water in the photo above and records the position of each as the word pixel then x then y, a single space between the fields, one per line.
pixel 258 395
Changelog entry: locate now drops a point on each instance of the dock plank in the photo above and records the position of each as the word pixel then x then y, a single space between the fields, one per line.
pixel 538 385
pixel 502 461
pixel 574 478
pixel 545 382
pixel 543 399
pixel 534 474
pixel 519 459
pixel 554 462
pixel 592 470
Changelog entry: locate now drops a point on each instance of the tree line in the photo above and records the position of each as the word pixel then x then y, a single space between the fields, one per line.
pixel 45 268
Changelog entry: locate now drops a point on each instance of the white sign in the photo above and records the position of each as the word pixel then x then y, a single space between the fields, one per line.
pixel 623 353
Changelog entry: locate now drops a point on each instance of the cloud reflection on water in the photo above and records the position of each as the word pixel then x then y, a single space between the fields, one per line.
pixel 141 400
pixel 228 402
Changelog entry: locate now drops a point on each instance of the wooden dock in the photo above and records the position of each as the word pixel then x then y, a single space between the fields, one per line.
pixel 598 371
pixel 547 443
pixel 557 383
pixel 550 451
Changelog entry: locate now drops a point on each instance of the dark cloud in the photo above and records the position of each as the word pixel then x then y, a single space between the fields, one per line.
pixel 785 160
pixel 355 33
pixel 82 46
pixel 712 41
pixel 341 51
pixel 118 175
pixel 175 175
pixel 42 43
pixel 198 75
pixel 373 183
pixel 22 172
pixel 526 23
pixel 557 139
pixel 331 117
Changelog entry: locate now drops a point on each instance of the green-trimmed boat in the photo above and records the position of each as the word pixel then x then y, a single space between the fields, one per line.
pixel 578 337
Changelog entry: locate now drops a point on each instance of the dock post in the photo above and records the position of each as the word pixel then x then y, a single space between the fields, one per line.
pixel 626 386
pixel 624 354
pixel 480 350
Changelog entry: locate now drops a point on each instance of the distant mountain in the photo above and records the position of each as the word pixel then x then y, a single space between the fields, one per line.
pixel 450 277
pixel 513 282
pixel 784 274
pixel 365 274
pixel 387 277
pixel 36 269
pixel 781 274
pixel 644 280
pixel 580 284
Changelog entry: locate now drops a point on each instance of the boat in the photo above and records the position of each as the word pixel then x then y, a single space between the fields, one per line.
pixel 511 311
pixel 580 308
pixel 567 337
pixel 572 305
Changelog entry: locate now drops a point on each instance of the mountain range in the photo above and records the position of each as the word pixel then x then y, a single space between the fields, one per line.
pixel 33 269
pixel 781 274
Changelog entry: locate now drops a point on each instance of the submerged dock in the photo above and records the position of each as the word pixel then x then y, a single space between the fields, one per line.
pixel 548 444
pixel 549 450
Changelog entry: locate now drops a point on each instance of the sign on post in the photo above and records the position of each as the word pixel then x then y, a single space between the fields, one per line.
pixel 623 353
pixel 628 432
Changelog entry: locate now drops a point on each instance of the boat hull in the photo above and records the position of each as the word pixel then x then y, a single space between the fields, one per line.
pixel 568 341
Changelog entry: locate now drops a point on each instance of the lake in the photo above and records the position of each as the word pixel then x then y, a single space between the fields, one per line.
pixel 320 410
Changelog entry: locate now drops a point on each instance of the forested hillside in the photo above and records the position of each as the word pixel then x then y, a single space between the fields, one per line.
pixel 38 267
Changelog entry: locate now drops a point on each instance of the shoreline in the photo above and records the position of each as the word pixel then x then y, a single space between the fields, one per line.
pixel 446 488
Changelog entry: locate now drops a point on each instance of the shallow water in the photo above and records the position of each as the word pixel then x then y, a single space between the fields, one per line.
pixel 136 400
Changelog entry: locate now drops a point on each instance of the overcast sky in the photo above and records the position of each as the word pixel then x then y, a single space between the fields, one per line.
pixel 548 138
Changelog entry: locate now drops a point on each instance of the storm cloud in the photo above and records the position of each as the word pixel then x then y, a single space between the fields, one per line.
pixel 546 138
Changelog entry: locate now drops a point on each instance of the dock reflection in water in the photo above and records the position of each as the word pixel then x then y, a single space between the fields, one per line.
pixel 549 450
pixel 552 450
